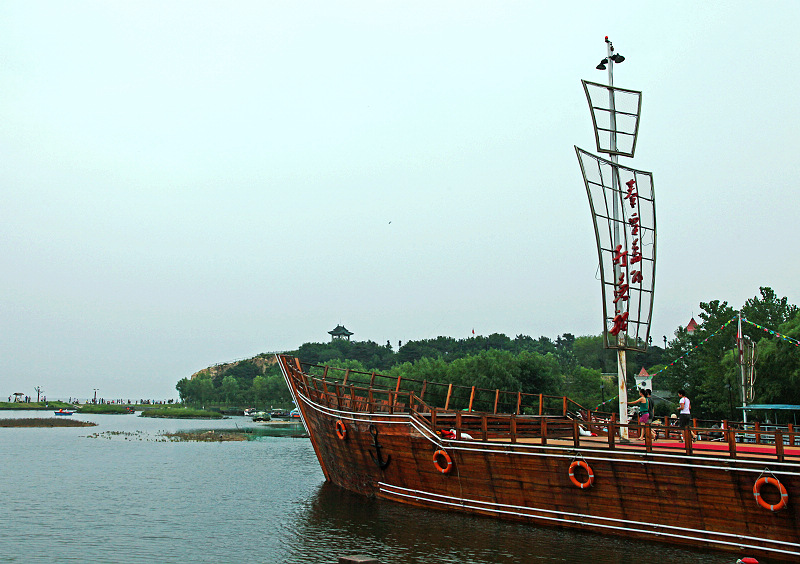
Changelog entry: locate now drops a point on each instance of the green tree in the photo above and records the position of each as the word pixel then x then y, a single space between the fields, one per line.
pixel 260 391
pixel 229 388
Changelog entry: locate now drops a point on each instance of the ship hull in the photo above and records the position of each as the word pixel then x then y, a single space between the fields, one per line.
pixel 701 501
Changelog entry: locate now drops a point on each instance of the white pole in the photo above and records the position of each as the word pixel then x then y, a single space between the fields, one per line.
pixel 621 357
pixel 740 343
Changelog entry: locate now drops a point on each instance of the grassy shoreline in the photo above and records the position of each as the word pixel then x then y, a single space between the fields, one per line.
pixel 52 422
pixel 177 412
pixel 35 405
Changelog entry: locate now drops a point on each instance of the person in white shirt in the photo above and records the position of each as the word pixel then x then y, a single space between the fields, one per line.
pixel 685 415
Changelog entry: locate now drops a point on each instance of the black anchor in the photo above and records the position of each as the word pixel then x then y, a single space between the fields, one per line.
pixel 377 458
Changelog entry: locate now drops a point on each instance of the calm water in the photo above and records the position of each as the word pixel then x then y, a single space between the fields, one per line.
pixel 119 493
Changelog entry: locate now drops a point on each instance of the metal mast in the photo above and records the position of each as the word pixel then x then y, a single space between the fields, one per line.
pixel 622 203
pixel 622 375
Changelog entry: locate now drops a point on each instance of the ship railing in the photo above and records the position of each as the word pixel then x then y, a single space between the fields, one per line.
pixel 453 397
pixel 484 426
pixel 728 436
pixel 549 418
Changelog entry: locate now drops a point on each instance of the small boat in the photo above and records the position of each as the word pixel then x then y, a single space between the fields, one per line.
pixel 249 412
pixel 63 412
pixel 261 416
pixel 279 414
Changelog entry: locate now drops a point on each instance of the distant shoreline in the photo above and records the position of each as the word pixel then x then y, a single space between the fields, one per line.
pixel 51 422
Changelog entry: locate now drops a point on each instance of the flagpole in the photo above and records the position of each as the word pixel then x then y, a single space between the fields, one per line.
pixel 740 343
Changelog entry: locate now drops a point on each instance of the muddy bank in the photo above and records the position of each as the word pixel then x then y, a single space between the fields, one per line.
pixel 207 436
pixel 52 422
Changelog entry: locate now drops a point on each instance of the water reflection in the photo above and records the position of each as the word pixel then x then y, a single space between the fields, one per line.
pixel 395 533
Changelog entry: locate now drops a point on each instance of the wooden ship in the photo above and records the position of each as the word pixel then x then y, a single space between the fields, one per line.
pixel 547 460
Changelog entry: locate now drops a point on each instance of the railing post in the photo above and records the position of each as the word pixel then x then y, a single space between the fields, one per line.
pixel 791 435
pixel 458 425
pixel 519 402
pixel 422 393
pixel 484 428
pixel 433 418
pixel 648 439
pixel 346 376
pixel 779 445
pixel 338 397
pixel 564 413
pixel 411 402
pixel 496 397
pixel 371 401
pixel 544 430
pixel 326 393
pixel 757 426
pixel 471 398
pixel 687 440
pixel 730 435
pixel 513 428
pixel 541 403
pixel 576 434
pixel 447 402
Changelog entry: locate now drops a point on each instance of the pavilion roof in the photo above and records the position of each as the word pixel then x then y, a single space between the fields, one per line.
pixel 340 330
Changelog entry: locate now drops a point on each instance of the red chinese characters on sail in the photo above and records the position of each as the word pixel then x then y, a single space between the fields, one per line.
pixel 620 323
pixel 634 223
pixel 636 255
pixel 632 194
pixel 620 256
pixel 625 258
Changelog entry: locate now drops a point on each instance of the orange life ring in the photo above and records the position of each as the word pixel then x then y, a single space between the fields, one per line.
pixel 774 481
pixel 341 430
pixel 437 462
pixel 582 485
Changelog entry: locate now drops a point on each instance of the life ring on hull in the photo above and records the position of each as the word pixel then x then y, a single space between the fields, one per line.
pixel 341 430
pixel 774 481
pixel 589 481
pixel 442 461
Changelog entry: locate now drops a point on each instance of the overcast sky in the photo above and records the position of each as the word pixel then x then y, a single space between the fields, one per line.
pixel 187 183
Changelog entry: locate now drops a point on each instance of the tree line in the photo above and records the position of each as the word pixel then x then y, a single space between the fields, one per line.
pixel 578 367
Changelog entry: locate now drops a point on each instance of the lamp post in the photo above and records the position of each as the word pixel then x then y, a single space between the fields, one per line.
pixel 95 396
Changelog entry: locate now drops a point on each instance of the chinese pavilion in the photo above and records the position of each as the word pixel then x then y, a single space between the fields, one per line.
pixel 340 332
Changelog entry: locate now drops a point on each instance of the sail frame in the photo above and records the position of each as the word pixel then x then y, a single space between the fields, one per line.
pixel 627 301
pixel 617 125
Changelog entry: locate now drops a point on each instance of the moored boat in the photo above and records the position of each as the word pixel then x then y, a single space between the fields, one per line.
pixel 64 412
pixel 531 459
